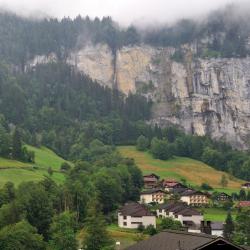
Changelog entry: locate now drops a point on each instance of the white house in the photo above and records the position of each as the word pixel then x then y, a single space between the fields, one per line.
pixel 152 195
pixel 181 212
pixel 194 198
pixel 133 214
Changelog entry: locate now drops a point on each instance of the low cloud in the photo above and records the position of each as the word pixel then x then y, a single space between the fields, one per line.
pixel 123 11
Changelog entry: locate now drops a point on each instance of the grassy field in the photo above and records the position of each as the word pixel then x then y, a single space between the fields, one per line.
pixel 5 163
pixel 17 172
pixel 45 158
pixel 216 214
pixel 126 237
pixel 195 172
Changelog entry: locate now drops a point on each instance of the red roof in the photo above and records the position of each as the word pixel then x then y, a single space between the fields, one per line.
pixel 244 204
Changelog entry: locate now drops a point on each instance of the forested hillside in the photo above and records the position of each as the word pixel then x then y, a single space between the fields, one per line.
pixel 223 33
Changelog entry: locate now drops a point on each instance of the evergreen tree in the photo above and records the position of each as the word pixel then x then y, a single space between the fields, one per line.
pixel 142 143
pixel 17 145
pixel 228 227
pixel 62 232
pixel 96 234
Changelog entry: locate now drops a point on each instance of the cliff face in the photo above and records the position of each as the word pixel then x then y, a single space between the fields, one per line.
pixel 201 96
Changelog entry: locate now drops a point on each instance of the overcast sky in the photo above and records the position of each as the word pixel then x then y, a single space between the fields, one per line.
pixel 123 11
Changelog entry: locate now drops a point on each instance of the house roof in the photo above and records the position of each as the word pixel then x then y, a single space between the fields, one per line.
pixel 172 240
pixel 223 194
pixel 152 191
pixel 135 209
pixel 243 204
pixel 151 175
pixel 217 225
pixel 172 183
pixel 179 208
pixel 192 192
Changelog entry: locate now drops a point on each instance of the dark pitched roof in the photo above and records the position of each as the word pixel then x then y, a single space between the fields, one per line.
pixel 151 175
pixel 223 194
pixel 179 208
pixel 217 225
pixel 189 212
pixel 172 240
pixel 170 205
pixel 135 209
pixel 152 191
pixel 192 192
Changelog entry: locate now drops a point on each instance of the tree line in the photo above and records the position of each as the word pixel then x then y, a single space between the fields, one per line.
pixel 218 35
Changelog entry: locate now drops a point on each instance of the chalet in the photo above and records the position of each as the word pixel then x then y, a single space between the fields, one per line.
pixel 181 240
pixel 170 185
pixel 151 180
pixel 246 185
pixel 242 204
pixel 223 197
pixel 194 198
pixel 152 195
pixel 133 214
pixel 181 212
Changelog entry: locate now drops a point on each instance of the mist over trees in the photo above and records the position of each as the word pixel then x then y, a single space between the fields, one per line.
pixel 224 33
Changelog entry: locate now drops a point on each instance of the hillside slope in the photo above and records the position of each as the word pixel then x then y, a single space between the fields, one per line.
pixel 195 172
pixel 18 172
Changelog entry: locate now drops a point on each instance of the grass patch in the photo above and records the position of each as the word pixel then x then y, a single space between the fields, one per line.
pixel 17 176
pixel 6 163
pixel 18 172
pixel 45 158
pixel 216 214
pixel 126 237
pixel 195 172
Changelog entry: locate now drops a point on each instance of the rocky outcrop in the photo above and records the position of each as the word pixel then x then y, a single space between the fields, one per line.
pixel 201 96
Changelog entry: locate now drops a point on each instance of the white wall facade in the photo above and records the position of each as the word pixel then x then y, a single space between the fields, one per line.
pixel 134 222
pixel 196 219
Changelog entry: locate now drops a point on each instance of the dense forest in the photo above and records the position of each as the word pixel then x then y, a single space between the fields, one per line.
pixel 224 33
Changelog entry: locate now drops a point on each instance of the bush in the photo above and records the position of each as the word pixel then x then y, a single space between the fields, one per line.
pixel 65 166
pixel 206 186
pixel 142 143
pixel 151 230
pixel 161 149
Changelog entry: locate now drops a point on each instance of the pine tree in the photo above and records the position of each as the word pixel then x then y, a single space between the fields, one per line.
pixel 17 145
pixel 96 234
pixel 228 227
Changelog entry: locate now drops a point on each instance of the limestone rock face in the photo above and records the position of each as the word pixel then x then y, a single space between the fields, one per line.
pixel 202 96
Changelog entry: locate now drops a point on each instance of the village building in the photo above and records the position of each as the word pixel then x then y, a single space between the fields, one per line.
pixel 194 198
pixel 152 195
pixel 209 227
pixel 181 240
pixel 133 214
pixel 170 185
pixel 151 180
pixel 246 185
pixel 243 204
pixel 181 212
pixel 223 197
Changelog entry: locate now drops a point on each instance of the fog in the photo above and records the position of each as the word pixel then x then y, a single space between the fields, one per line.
pixel 124 11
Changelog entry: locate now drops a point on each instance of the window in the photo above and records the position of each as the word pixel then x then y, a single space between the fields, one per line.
pixel 139 223
pixel 124 217
pixel 124 223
